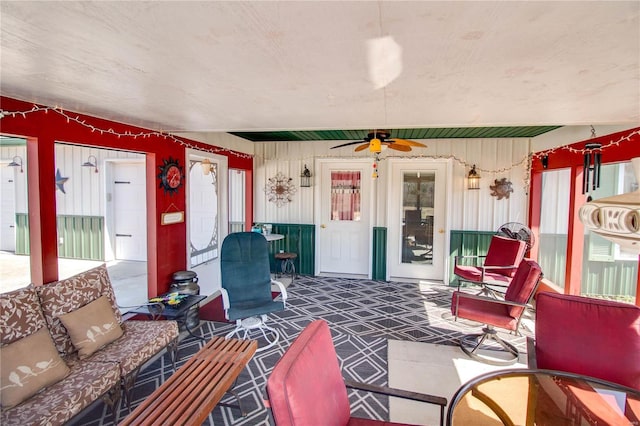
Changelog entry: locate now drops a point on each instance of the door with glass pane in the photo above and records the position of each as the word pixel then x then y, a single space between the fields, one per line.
pixel 417 223
pixel 344 218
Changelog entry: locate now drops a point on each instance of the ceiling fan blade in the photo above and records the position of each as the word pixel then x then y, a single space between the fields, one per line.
pixel 362 147
pixel 346 144
pixel 398 147
pixel 408 142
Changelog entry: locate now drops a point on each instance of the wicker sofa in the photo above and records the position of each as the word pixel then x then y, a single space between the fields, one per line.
pixel 84 376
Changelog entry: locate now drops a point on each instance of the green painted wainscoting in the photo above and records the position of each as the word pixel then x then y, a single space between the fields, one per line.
pixel 379 261
pixel 22 234
pixel 300 239
pixel 467 243
pixel 79 237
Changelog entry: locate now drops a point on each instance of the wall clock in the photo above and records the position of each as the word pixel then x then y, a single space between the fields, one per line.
pixel 171 176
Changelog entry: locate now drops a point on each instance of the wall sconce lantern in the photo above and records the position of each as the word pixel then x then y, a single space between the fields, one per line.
pixel 305 178
pixel 16 162
pixel 473 179
pixel 90 163
pixel 207 166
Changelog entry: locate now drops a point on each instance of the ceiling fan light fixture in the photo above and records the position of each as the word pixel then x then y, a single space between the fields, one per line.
pixel 375 145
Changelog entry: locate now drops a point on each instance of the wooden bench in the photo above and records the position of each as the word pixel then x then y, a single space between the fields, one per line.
pixel 193 391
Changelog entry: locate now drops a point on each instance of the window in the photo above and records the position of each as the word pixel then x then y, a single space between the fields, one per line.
pixel 554 224
pixel 610 271
pixel 345 195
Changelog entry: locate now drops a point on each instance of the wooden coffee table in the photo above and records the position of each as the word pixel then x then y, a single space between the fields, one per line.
pixel 193 391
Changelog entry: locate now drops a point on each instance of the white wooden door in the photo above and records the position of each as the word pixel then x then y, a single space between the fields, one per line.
pixel 344 218
pixel 7 208
pixel 417 219
pixel 130 213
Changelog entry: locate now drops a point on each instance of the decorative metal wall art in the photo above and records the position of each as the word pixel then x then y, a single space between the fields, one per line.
pixel 501 188
pixel 60 181
pixel 280 189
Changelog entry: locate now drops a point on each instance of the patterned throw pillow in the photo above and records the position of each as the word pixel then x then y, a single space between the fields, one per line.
pixel 27 366
pixel 92 326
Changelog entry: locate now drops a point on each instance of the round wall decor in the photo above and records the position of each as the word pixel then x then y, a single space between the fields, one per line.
pixel 501 189
pixel 280 189
pixel 171 176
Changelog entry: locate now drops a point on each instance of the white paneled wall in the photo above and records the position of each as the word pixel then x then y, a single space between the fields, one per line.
pixel 469 209
pixel 7 153
pixel 85 189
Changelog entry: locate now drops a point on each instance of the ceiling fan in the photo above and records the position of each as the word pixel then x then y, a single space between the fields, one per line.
pixel 378 139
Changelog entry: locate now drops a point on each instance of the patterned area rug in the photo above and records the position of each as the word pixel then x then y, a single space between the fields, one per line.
pixel 362 315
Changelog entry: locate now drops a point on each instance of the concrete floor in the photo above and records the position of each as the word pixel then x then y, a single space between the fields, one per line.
pixel 128 278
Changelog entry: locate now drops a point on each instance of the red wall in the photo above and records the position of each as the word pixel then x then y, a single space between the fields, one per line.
pixel 167 244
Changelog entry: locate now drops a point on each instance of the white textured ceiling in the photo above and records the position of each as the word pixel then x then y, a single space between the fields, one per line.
pixel 233 66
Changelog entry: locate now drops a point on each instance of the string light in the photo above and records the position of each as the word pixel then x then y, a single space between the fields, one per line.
pixel 583 151
pixel 4 114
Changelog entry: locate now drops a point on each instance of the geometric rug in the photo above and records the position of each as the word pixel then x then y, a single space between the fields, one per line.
pixel 362 315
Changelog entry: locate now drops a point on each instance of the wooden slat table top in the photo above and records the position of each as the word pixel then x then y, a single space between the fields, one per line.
pixel 192 392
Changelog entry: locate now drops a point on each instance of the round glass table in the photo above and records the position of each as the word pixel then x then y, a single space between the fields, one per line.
pixel 542 397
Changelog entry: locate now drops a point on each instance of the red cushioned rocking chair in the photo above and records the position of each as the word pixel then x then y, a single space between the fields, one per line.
pixel 488 347
pixel 498 267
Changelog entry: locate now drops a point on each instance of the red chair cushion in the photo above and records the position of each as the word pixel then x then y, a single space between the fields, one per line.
pixel 588 336
pixel 523 285
pixel 486 311
pixel 505 251
pixel 306 385
pixel 474 274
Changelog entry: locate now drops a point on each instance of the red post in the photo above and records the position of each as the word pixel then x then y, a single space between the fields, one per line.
pixel 43 238
pixel 575 237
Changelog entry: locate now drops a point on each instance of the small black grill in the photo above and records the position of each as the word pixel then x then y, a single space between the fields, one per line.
pixel 186 282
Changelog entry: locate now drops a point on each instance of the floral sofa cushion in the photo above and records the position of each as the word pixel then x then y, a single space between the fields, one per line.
pixel 65 296
pixel 141 341
pixel 58 403
pixel 20 314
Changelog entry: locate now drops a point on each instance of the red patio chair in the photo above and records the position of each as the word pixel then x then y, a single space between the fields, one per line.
pixel 494 312
pixel 592 337
pixel 306 385
pixel 498 266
